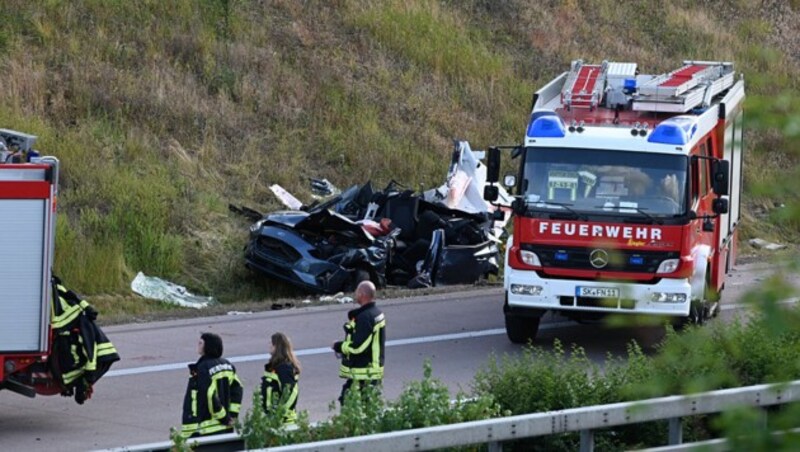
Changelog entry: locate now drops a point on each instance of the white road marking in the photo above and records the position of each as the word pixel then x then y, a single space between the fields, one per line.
pixel 327 350
pixel 391 343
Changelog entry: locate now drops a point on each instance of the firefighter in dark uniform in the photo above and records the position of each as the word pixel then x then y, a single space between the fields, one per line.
pixel 214 393
pixel 279 389
pixel 362 351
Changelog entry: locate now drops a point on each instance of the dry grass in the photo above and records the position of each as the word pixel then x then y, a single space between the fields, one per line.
pixel 164 112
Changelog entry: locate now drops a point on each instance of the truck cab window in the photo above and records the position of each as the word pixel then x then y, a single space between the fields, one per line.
pixel 603 181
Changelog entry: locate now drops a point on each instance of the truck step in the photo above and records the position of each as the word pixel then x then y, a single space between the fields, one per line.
pixel 15 386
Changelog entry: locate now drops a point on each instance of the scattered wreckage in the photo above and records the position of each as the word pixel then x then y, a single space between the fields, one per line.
pixel 447 235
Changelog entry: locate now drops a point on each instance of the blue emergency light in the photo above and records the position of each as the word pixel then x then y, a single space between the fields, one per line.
pixel 546 124
pixel 678 130
pixel 636 260
pixel 561 256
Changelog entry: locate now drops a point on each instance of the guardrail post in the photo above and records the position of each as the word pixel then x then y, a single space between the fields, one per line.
pixel 675 431
pixel 587 441
pixel 495 446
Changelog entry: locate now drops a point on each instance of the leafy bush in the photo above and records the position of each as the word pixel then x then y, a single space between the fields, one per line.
pixel 760 350
pixel 421 404
pixel 546 380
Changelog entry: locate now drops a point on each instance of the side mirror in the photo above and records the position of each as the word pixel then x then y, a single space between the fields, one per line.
pixel 491 193
pixel 510 180
pixel 492 166
pixel 516 152
pixel 721 170
pixel 518 205
pixel 720 206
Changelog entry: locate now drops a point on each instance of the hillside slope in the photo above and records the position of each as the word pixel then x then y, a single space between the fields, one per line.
pixel 162 113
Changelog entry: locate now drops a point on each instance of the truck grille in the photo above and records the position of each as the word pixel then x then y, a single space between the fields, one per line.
pixel 618 260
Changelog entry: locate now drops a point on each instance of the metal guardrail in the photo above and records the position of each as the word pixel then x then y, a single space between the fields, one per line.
pixel 584 420
pixel 227 442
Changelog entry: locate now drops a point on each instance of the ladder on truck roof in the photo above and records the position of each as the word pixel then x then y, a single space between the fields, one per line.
pixel 584 85
pixel 681 90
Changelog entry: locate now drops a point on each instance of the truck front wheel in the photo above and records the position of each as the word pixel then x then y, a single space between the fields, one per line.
pixel 521 329
pixel 521 324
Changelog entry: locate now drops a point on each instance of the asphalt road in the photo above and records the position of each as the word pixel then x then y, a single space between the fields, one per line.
pixel 141 397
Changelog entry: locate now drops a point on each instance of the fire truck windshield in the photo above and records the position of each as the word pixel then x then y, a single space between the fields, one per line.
pixel 603 182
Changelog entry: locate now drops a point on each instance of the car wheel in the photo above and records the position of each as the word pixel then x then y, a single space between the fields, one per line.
pixel 359 275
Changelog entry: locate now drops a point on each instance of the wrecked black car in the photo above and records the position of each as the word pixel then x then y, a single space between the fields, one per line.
pixel 321 251
pixel 392 236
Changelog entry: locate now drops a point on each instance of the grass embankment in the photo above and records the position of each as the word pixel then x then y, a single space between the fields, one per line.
pixel 162 113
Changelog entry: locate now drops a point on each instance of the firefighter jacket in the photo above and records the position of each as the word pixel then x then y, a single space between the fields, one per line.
pixel 81 352
pixel 213 397
pixel 363 347
pixel 279 391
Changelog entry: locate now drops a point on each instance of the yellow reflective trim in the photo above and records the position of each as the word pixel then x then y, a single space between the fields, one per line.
pixel 188 430
pixel 271 376
pixel 194 402
pixel 212 390
pixel 215 429
pixel 292 397
pixel 68 313
pixel 232 377
pixel 235 407
pixel 212 426
pixel 268 399
pixel 105 352
pixel 69 377
pixel 346 347
pixel 92 364
pixel 367 374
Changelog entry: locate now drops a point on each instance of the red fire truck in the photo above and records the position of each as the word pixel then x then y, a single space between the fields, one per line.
pixel 28 191
pixel 627 195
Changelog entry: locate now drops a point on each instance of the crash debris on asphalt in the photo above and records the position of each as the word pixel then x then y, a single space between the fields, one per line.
pixel 394 236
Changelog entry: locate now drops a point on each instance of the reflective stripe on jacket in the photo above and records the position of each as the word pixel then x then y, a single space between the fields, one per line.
pixel 364 344
pixel 280 390
pixel 213 398
pixel 80 348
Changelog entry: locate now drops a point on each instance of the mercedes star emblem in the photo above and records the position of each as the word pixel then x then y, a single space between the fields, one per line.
pixel 598 258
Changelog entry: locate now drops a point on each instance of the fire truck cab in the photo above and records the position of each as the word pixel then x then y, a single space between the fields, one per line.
pixel 627 195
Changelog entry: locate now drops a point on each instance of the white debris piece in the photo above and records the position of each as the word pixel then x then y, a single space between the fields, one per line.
pixel 286 198
pixel 338 297
pixel 158 289
pixel 463 188
pixel 329 298
pixel 763 244
pixel 239 312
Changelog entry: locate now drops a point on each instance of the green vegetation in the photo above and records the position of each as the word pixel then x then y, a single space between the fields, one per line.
pixel 162 113
pixel 422 403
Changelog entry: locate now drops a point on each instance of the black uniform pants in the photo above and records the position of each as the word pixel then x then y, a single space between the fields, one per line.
pixel 361 385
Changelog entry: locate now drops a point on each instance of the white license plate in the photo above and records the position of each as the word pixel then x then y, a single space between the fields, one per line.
pixel 597 292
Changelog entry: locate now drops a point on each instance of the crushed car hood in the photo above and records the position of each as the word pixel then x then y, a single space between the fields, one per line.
pixel 321 223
